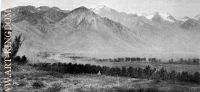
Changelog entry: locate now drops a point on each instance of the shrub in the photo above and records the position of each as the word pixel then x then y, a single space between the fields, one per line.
pixel 22 83
pixel 56 74
pixel 56 87
pixel 38 84
pixel 17 59
pixel 23 60
pixel 20 60
pixel 57 70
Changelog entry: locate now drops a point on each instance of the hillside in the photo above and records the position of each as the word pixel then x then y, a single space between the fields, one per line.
pixel 103 33
pixel 167 34
pixel 77 31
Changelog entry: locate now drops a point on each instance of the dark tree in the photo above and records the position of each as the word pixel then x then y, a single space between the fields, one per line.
pixel 172 76
pixel 196 77
pixel 16 45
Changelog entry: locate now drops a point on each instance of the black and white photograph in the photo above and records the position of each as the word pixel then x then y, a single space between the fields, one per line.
pixel 100 46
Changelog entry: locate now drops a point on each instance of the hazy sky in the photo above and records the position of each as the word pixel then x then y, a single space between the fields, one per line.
pixel 177 8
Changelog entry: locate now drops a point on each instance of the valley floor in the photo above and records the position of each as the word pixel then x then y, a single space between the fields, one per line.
pixel 26 76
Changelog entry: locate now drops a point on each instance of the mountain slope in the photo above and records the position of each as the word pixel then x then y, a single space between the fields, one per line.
pixel 96 34
pixel 109 33
pixel 77 31
pixel 191 24
pixel 167 34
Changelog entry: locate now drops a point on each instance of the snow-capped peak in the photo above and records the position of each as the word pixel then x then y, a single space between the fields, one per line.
pixel 164 16
pixel 185 18
pixel 99 8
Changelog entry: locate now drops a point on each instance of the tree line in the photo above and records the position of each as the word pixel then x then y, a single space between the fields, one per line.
pixel 126 59
pixel 191 61
pixel 144 73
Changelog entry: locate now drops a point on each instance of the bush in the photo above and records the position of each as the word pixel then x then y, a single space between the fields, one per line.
pixel 20 60
pixel 24 60
pixel 56 87
pixel 56 74
pixel 38 84
pixel 57 70
pixel 17 59
pixel 22 83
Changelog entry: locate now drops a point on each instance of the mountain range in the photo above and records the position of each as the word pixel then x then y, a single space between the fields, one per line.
pixel 104 32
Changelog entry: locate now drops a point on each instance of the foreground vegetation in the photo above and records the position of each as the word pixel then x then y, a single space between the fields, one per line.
pixel 144 73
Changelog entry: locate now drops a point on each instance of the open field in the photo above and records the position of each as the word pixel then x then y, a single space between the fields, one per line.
pixel 67 57
pixel 25 76
pixel 169 67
